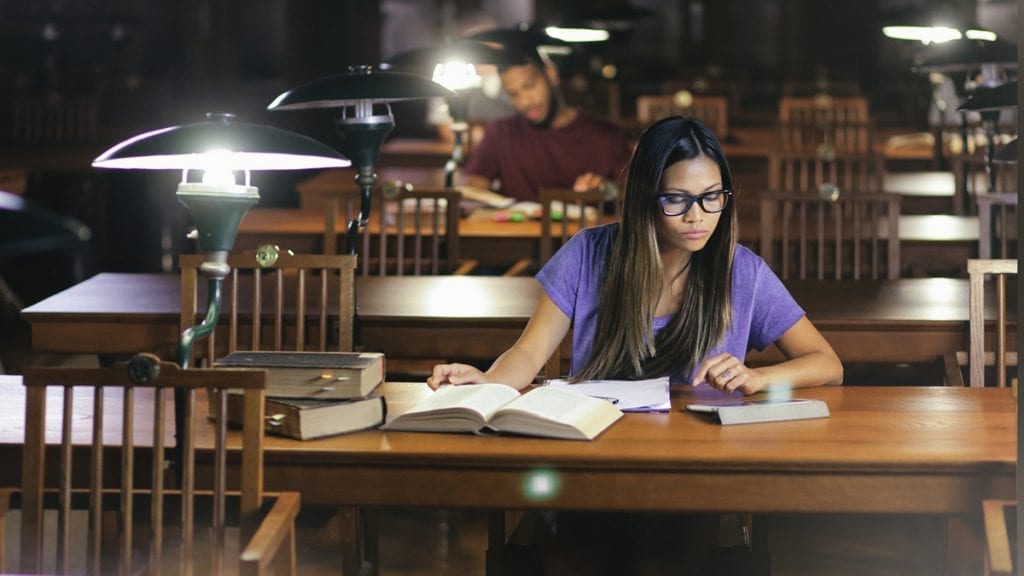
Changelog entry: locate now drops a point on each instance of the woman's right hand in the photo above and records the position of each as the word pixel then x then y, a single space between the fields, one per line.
pixel 454 374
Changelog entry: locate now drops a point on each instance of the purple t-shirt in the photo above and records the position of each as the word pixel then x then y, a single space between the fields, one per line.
pixel 526 158
pixel 762 307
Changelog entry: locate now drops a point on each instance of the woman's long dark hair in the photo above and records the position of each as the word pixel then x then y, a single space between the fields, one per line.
pixel 624 345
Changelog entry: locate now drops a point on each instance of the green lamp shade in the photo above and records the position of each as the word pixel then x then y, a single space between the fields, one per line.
pixel 360 85
pixel 223 143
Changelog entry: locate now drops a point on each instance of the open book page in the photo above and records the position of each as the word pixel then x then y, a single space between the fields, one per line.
pixel 651 395
pixel 455 408
pixel 557 413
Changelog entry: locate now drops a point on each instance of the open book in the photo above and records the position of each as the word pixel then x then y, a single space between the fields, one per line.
pixel 545 411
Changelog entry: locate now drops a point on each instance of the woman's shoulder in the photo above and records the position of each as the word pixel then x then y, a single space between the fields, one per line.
pixel 745 262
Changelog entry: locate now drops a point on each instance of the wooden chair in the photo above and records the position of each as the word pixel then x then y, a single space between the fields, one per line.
pixel 311 307
pixel 711 110
pixel 999 517
pixel 311 303
pixel 977 358
pixel 53 118
pixel 418 230
pixel 997 224
pixel 794 171
pixel 94 408
pixel 971 176
pixel 839 123
pixel 853 236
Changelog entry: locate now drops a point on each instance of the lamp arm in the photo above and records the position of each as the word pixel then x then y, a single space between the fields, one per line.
pixel 366 178
pixel 193 333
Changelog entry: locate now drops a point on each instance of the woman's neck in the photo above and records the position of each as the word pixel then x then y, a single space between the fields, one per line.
pixel 674 266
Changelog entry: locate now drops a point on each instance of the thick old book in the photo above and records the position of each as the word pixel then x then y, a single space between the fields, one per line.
pixel 307 419
pixel 314 375
pixel 761 410
pixel 545 411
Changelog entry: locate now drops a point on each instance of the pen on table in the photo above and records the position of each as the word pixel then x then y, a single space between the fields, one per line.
pixel 612 400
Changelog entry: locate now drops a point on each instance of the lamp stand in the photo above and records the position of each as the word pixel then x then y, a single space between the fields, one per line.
pixel 363 137
pixel 217 212
pixel 460 127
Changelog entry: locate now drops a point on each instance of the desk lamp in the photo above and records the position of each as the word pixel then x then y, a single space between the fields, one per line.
pixel 453 66
pixel 218 149
pixel 989 101
pixel 362 130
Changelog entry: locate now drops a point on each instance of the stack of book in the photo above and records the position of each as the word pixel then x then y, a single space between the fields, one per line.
pixel 315 394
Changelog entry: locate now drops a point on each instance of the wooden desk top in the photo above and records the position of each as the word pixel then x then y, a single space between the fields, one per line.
pixel 883 450
pixel 906 320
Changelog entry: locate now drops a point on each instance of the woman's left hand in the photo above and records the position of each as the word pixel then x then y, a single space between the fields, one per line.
pixel 727 372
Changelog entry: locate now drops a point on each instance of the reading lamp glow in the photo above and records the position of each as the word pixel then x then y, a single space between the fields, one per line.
pixel 213 152
pixel 454 65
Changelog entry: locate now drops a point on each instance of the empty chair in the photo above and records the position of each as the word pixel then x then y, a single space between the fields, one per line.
pixel 804 235
pixel 984 351
pixel 997 224
pixel 417 234
pixel 794 171
pixel 53 118
pixel 565 212
pixel 973 180
pixel 412 231
pixel 838 123
pixel 711 110
pixel 111 429
pixel 275 300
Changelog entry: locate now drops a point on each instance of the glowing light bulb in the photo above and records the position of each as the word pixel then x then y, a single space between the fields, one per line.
pixel 219 177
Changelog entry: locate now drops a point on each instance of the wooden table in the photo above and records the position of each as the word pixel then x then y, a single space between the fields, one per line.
pixel 902 450
pixel 906 320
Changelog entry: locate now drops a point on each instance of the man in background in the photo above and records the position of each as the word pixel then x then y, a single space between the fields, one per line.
pixel 546 143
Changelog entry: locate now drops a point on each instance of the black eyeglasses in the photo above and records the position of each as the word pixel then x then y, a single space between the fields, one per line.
pixel 710 202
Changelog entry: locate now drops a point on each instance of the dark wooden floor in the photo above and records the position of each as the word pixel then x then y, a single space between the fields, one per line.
pixel 413 542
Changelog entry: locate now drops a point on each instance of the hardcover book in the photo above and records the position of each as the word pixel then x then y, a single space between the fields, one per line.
pixel 314 375
pixel 546 411
pixel 762 410
pixel 305 419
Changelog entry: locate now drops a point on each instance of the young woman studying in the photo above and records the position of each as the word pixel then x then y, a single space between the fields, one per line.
pixel 667 290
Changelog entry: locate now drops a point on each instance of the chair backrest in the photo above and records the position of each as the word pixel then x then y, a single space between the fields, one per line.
pixel 840 123
pixel 997 224
pixel 853 236
pixel 977 270
pixel 309 304
pixel 713 111
pixel 808 171
pixel 111 425
pixel 973 179
pixel 565 212
pixel 55 118
pixel 413 230
pixel 418 233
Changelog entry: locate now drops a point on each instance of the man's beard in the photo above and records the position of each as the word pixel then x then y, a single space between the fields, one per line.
pixel 553 107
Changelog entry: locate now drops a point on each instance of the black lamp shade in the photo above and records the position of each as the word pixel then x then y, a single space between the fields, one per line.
pixel 1008 154
pixel 359 85
pixel 469 51
pixel 26 230
pixel 985 98
pixel 519 38
pixel 965 55
pixel 250 147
